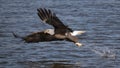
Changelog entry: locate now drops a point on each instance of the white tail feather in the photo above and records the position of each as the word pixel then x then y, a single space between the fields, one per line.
pixel 74 33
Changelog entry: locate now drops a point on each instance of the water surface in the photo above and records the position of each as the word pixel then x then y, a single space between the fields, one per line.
pixel 100 18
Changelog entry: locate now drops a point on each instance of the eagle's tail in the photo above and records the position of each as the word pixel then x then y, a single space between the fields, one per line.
pixel 75 33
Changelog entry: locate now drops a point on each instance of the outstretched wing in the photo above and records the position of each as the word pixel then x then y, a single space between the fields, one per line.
pixel 50 18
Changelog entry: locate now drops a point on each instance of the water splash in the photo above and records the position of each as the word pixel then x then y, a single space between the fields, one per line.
pixel 104 52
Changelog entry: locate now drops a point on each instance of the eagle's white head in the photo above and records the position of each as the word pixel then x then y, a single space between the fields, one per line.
pixel 49 31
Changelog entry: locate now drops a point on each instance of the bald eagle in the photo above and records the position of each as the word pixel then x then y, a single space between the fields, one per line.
pixel 60 31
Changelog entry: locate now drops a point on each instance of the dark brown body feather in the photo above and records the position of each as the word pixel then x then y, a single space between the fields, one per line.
pixel 37 37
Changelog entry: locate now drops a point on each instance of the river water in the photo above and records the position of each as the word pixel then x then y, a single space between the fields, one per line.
pixel 99 18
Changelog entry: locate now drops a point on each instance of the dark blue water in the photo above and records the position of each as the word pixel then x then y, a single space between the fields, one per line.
pixel 99 18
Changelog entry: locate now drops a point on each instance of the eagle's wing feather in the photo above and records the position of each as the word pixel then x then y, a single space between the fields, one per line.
pixel 50 18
